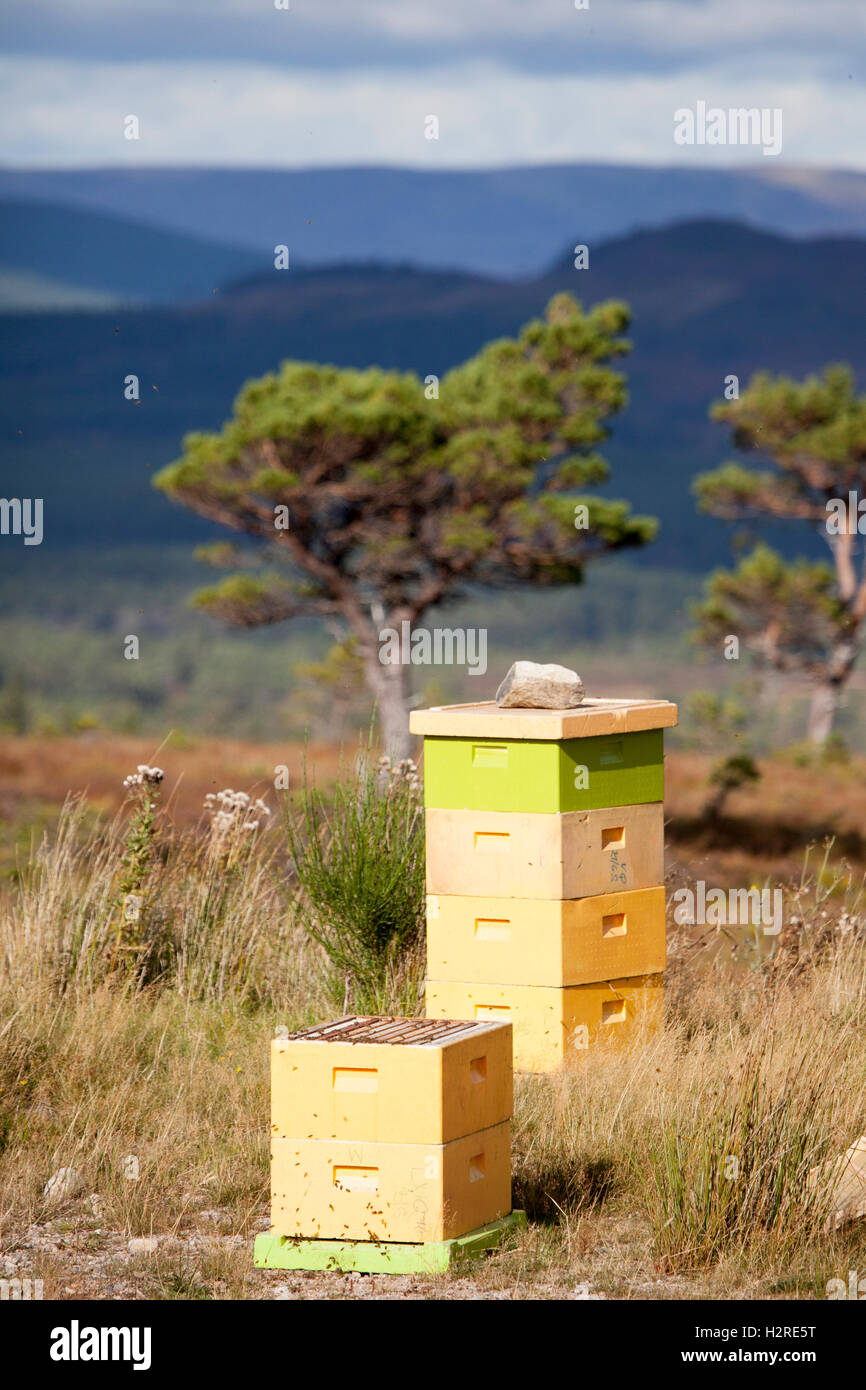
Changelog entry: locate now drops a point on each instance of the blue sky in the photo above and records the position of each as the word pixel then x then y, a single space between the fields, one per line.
pixel 336 82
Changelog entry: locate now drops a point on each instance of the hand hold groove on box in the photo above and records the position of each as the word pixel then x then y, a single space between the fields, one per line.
pixel 613 1011
pixel 493 928
pixel 356 1079
pixel 490 755
pixel 492 841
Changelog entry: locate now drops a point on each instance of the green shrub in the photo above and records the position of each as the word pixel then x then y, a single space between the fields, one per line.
pixel 359 860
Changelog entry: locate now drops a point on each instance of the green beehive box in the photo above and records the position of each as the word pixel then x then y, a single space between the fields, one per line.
pixel 603 753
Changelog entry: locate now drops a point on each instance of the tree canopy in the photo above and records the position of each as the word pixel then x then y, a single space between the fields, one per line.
pixel 378 495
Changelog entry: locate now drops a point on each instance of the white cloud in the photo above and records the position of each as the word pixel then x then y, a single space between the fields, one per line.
pixel 59 113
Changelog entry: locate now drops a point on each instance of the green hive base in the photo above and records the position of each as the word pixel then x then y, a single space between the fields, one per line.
pixel 380 1257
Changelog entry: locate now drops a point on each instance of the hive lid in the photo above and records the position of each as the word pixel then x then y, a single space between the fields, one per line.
pixel 591 718
pixel 402 1032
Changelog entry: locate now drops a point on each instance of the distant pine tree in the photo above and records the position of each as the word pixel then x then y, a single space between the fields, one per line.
pixel 800 617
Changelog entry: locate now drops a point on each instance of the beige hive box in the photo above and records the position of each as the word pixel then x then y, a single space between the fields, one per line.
pixel 391 1130
pixel 536 854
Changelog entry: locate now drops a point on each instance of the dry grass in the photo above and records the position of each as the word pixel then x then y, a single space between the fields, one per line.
pixel 37 775
pixel 711 1129
pixel 43 769
pixel 622 1161
pixel 765 827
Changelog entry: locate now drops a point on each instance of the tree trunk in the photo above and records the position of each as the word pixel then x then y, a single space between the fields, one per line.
pixel 716 801
pixel 822 712
pixel 394 714
pixel 825 698
pixel 389 687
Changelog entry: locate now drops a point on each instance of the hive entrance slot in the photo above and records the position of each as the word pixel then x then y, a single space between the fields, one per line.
pixel 356 1179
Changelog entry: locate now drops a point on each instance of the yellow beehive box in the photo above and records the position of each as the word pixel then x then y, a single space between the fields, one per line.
pixel 571 854
pixel 545 941
pixel 551 1026
pixel 391 1080
pixel 326 1189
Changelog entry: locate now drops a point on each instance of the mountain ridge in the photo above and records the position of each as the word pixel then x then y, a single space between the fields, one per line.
pixel 501 221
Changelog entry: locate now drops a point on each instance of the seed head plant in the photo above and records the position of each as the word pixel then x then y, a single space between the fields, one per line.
pixel 143 787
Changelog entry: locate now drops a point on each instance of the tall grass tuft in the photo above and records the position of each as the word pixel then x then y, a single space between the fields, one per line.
pixel 359 860
pixel 730 1174
pixel 216 925
pixel 734 1165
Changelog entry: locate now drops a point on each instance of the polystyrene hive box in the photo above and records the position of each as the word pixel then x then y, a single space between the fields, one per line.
pixel 515 854
pixel 334 1190
pixel 408 1081
pixel 536 941
pixel 551 1026
pixel 575 774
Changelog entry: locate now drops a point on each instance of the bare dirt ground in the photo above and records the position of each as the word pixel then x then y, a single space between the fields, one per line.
pixel 78 1258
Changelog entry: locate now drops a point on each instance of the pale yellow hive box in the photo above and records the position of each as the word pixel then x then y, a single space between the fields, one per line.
pixel 551 1025
pixel 391 1080
pixel 325 1189
pixel 571 854
pixel 538 941
pixel 591 719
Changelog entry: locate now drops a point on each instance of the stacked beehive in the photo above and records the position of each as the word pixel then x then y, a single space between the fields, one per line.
pixel 386 1130
pixel 545 870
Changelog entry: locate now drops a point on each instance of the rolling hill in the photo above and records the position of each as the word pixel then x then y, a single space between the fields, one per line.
pixel 52 255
